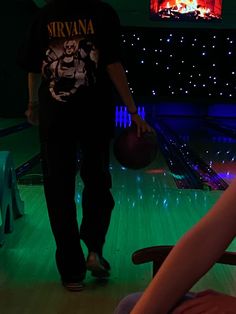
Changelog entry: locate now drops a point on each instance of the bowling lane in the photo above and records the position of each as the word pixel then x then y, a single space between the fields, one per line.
pixel 6 123
pixel 23 145
pixel 226 122
pixel 157 172
pixel 215 147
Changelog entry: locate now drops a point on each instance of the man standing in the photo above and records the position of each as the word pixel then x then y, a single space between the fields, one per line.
pixel 71 115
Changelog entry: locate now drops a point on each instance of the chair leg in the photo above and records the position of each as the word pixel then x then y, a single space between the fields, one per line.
pixel 11 206
pixel 8 227
pixel 17 203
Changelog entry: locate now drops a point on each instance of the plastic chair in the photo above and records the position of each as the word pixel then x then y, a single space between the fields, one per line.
pixel 157 255
pixel 11 206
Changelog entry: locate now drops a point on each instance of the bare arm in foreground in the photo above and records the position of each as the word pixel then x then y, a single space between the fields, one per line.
pixel 191 258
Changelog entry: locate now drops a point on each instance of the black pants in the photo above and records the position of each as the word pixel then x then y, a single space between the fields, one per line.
pixel 59 149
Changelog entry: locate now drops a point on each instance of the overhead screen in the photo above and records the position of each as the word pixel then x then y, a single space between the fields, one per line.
pixel 186 10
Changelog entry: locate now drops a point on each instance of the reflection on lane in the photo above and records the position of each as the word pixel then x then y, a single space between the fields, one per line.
pixel 214 146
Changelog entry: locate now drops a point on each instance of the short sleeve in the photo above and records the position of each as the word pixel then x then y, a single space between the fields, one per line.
pixel 31 51
pixel 110 36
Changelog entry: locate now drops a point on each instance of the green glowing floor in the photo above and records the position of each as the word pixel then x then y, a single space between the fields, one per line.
pixel 149 211
pixel 146 214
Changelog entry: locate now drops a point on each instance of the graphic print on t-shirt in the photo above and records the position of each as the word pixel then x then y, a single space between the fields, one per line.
pixel 70 61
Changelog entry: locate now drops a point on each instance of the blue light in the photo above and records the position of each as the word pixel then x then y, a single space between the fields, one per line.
pixel 123 118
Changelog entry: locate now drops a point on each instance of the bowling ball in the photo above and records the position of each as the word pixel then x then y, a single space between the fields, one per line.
pixel 135 152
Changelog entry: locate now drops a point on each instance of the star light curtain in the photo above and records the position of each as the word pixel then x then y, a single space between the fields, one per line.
pixel 184 64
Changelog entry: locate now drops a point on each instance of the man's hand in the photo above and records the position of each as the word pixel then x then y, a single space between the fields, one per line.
pixel 32 114
pixel 208 302
pixel 142 125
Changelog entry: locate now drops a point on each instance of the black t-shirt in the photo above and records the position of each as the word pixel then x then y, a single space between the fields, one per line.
pixel 71 44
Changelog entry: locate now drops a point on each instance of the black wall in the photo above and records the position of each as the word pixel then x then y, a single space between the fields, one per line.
pixel 136 13
pixel 17 14
pixel 15 17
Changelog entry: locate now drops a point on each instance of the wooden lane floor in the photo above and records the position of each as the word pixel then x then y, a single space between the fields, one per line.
pixel 147 213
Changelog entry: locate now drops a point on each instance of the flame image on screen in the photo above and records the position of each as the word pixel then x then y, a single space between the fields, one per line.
pixel 186 9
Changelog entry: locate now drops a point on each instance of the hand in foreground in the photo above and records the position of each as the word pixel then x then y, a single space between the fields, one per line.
pixel 32 115
pixel 208 302
pixel 142 125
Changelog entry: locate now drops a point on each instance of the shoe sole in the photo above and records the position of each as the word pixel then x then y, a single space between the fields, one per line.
pixel 97 271
pixel 100 274
pixel 73 287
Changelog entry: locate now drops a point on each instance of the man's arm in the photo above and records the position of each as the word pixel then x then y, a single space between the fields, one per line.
pixel 119 79
pixel 117 75
pixel 34 81
pixel 192 257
